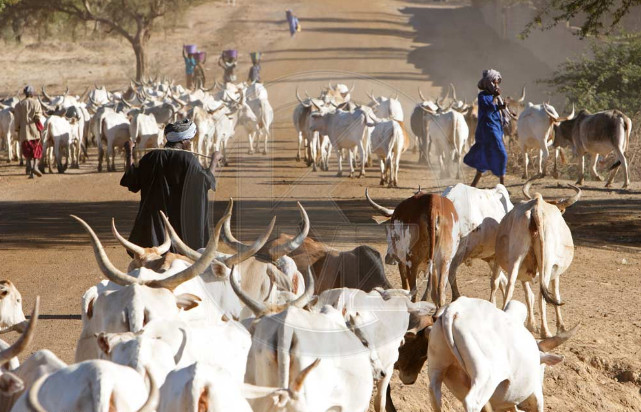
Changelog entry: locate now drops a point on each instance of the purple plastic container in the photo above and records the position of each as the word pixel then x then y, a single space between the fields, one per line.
pixel 190 48
pixel 230 54
pixel 201 56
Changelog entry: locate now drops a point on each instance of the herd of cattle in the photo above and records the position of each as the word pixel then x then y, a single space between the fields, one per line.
pixel 329 122
pixel 290 324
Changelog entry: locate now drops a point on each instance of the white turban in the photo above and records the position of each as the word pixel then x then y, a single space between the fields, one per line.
pixel 179 131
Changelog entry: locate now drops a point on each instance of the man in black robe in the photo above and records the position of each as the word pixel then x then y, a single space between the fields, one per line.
pixel 172 181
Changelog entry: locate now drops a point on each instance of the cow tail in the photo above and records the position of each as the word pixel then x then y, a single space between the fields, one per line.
pixel 283 359
pixel 538 234
pixel 447 327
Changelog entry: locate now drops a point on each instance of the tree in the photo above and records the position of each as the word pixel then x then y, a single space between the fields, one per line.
pixel 609 79
pixel 598 15
pixel 132 19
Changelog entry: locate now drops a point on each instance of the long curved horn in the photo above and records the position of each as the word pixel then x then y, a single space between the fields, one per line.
pixel 229 238
pixel 420 94
pixel 430 111
pixel 258 308
pixel 32 399
pixel 453 91
pixel 83 96
pixel 44 93
pixel 395 96
pixel 300 379
pixel 66 91
pixel 181 246
pixel 166 244
pixel 136 83
pixel 154 394
pixel 105 265
pixel 447 95
pixel 352 89
pixel 526 187
pixel 306 297
pixel 563 204
pixel 25 339
pixel 382 210
pixel 371 96
pixel 330 86
pixel 569 117
pixel 546 345
pixel 130 246
pixel 253 249
pixel 522 98
pixel 200 265
pixel 301 100
pixel 287 248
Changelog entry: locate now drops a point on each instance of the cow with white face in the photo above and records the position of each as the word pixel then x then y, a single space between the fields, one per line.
pixel 259 103
pixel 387 107
pixel 534 240
pixel 534 129
pixel 422 236
pixel 479 212
pixel 346 130
pixel 133 299
pixel 11 314
pixel 310 141
pixel 95 385
pixel 7 134
pixel 486 357
pixel 287 340
pixel 337 95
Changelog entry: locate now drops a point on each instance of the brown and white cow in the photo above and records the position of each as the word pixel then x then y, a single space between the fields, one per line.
pixel 533 239
pixel 422 235
pixel 11 314
pixel 597 134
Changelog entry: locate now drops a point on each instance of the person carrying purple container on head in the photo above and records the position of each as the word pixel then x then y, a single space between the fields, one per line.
pixel 227 62
pixel 294 25
pixel 190 64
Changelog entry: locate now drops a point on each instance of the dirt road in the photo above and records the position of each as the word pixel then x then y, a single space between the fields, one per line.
pixel 384 46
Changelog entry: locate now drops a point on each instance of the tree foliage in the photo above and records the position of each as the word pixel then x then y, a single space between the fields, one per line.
pixel 609 79
pixel 134 20
pixel 598 16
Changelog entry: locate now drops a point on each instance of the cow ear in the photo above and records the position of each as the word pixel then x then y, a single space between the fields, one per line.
pixel 219 270
pixel 380 219
pixel 187 301
pixel 10 384
pixel 90 308
pixel 104 342
pixel 550 359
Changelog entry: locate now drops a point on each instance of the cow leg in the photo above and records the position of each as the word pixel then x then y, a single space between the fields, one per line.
pixel 382 164
pixel 456 262
pixel 250 137
pixel 494 281
pixel 560 325
pixel 529 301
pixel 340 162
pixel 265 138
pixel 351 159
pixel 544 153
pixel 513 275
pixel 624 162
pixel 482 387
pixel 402 271
pixel 526 161
pixel 382 388
pixel 581 172
pixel 101 154
pixel 389 403
pixel 545 331
pixel 300 144
pixel 443 276
pixel 436 382
pixel 595 160
pixel 363 154
pixel 9 148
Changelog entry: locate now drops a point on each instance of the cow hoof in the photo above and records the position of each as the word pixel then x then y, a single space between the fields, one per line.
pixel 382 182
pixel 555 175
pixel 609 184
pixel 351 175
pixel 524 177
pixel 361 175
pixel 297 158
pixel 264 152
pixel 599 177
pixel 580 183
pixel 339 174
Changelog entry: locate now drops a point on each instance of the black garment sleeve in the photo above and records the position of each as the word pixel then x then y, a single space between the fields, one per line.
pixel 132 179
pixel 210 179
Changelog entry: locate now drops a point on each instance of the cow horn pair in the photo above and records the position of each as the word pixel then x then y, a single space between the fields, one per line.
pixel 139 250
pixel 113 274
pixel 44 93
pixel 260 309
pixel 382 210
pixel 562 204
pixel 371 96
pixel 301 100
pixel 275 252
pixel 242 255
pixel 557 119
pixel 150 405
pixel 25 339
pixel 420 94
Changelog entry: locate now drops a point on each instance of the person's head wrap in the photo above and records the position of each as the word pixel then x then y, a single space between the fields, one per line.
pixel 28 90
pixel 179 131
pixel 487 82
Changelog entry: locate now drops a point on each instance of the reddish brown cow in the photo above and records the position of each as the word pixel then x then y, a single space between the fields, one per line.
pixel 422 236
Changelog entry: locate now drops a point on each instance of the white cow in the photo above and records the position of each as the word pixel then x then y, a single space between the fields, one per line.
pixel 145 132
pixel 259 103
pixel 534 240
pixel 11 314
pixel 448 133
pixel 346 130
pixel 387 107
pixel 285 343
pixel 61 138
pixel 534 129
pixel 7 134
pixel 310 142
pixel 479 213
pixel 113 132
pixel 486 356
pixel 95 385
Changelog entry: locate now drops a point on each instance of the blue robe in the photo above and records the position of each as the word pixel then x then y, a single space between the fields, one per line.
pixel 488 151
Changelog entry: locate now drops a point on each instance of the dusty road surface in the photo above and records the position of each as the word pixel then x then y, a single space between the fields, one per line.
pixel 384 46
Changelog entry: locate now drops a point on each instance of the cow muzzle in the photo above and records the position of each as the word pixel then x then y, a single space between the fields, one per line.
pixel 390 259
